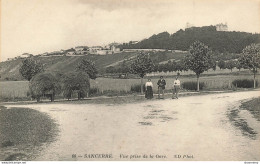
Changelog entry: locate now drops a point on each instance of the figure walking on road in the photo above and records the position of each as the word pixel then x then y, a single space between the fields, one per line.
pixel 161 87
pixel 149 89
pixel 176 88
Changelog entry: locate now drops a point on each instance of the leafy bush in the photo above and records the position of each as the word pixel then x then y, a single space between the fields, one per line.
pixel 137 88
pixel 244 83
pixel 30 68
pixel 89 67
pixel 76 81
pixel 44 84
pixel 93 91
pixel 192 85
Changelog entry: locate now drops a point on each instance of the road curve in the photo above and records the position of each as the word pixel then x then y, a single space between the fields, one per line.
pixel 190 128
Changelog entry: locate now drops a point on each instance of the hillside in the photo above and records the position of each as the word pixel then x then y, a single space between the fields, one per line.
pixel 9 70
pixel 230 43
pixel 222 41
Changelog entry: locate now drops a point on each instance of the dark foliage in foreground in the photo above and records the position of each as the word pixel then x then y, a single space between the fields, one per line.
pixel 192 85
pixel 137 88
pixel 244 83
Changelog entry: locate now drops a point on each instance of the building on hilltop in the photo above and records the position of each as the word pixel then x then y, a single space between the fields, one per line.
pixel 221 27
pixel 133 42
pixel 26 55
pixel 81 50
pixel 70 52
pixel 95 49
pixel 114 47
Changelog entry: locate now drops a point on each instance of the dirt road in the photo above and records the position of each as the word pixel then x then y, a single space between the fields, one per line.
pixel 190 128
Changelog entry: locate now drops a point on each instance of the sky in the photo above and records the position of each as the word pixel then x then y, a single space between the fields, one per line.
pixel 38 26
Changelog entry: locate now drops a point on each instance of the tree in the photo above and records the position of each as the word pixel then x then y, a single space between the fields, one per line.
pixel 199 59
pixel 110 69
pixel 44 84
pixel 221 64
pixel 76 81
pixel 160 67
pixel 250 58
pixel 124 67
pixel 141 66
pixel 178 66
pixel 155 67
pixel 182 65
pixel 238 66
pixel 30 68
pixel 214 63
pixel 165 68
pixel 88 67
pixel 230 65
pixel 174 66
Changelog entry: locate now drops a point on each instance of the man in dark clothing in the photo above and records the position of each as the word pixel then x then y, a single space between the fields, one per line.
pixel 161 87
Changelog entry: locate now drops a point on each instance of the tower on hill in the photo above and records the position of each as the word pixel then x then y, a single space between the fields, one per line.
pixel 221 27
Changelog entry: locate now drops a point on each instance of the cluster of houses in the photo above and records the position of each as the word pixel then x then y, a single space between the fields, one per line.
pixel 85 50
pixel 111 48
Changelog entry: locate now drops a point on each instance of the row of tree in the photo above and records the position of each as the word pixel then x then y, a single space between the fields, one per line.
pixel 199 60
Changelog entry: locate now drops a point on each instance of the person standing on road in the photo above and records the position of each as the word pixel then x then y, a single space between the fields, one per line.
pixel 149 89
pixel 161 87
pixel 176 87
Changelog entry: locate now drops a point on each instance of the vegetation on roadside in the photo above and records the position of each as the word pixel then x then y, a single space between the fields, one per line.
pixel 253 107
pixel 44 84
pixel 244 83
pixel 24 129
pixel 75 81
pixel 199 60
pixel 141 66
pixel 192 85
pixel 136 88
pixel 251 59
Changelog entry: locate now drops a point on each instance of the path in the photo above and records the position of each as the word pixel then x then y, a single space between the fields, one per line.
pixel 197 126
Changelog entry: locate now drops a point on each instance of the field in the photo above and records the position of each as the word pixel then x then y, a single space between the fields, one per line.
pixel 13 89
pixel 19 89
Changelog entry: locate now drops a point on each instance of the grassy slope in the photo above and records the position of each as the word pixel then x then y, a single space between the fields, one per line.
pixel 10 69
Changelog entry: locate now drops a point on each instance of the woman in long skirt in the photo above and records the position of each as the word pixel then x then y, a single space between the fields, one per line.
pixel 149 89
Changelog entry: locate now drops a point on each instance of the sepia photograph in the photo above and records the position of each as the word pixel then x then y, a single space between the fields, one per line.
pixel 130 80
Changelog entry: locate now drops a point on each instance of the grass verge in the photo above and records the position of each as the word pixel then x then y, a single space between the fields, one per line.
pixel 253 106
pixel 23 131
